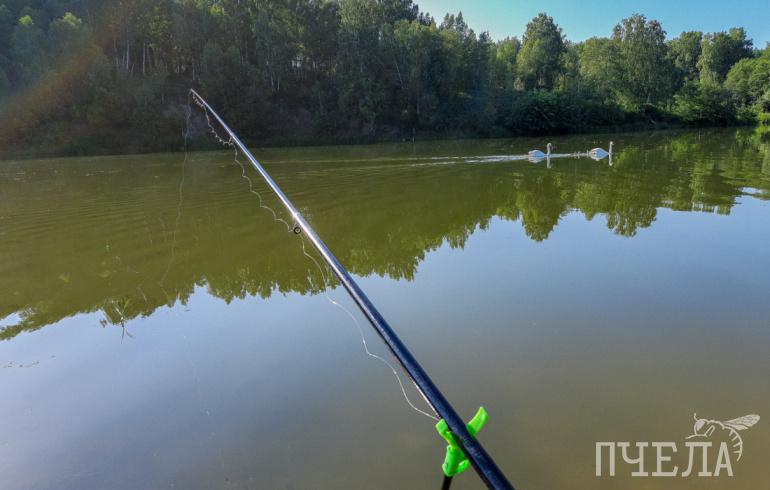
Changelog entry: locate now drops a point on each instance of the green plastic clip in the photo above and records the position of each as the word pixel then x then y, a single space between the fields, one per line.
pixel 455 461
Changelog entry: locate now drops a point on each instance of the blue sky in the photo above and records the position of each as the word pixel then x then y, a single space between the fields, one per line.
pixel 582 19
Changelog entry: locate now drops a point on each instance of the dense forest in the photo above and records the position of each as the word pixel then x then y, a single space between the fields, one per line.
pixel 79 76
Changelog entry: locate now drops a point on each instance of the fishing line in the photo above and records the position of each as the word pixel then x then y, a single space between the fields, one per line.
pixel 146 302
pixel 452 428
pixel 229 143
pixel 363 338
pixel 258 194
pixel 188 115
pixel 325 285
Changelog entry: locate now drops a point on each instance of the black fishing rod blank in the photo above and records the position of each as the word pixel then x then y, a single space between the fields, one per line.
pixel 476 454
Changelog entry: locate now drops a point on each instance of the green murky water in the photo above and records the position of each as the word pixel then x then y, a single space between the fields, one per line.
pixel 159 330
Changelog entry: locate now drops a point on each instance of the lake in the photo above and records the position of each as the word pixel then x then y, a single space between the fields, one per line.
pixel 159 329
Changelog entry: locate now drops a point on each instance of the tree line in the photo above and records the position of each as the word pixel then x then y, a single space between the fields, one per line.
pixel 96 75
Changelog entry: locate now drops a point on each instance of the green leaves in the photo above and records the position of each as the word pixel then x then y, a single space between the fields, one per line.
pixel 311 70
pixel 720 51
pixel 645 74
pixel 704 102
pixel 540 59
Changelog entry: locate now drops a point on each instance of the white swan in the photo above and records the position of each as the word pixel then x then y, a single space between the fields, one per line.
pixel 599 153
pixel 540 154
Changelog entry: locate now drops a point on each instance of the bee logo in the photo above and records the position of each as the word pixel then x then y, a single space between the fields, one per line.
pixel 707 428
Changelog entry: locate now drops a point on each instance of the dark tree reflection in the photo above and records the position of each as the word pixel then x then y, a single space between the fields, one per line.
pixel 111 234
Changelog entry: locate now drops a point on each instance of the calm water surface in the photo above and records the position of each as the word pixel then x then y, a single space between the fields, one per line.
pixel 159 330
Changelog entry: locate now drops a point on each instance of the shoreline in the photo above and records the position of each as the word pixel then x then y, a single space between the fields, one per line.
pixel 201 142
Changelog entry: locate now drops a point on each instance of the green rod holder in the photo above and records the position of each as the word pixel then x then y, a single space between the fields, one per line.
pixel 455 461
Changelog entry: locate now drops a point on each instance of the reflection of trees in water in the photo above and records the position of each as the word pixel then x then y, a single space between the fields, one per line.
pixel 102 243
pixel 541 204
pixel 626 194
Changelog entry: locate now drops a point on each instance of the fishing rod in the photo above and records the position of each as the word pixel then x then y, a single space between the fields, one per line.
pixel 470 446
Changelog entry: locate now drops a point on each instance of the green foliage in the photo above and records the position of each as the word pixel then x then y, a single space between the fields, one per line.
pixel 361 90
pixel 748 82
pixel 6 28
pixel 720 51
pixel 763 104
pixel 645 74
pixel 703 102
pixel 599 66
pixel 113 74
pixel 503 62
pixel 27 50
pixel 415 48
pixel 685 51
pixel 5 84
pixel 738 81
pixel 540 59
pixel 65 34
